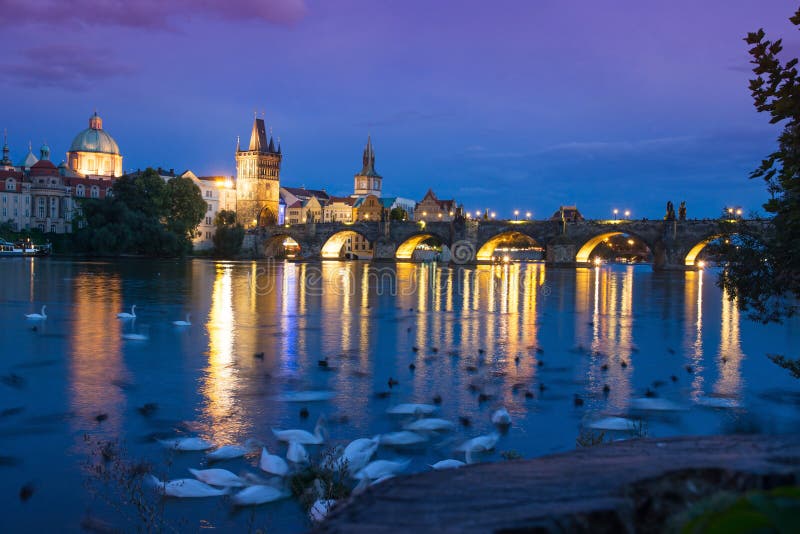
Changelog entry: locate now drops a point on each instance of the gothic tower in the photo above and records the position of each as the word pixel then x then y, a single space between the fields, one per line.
pixel 258 172
pixel 368 182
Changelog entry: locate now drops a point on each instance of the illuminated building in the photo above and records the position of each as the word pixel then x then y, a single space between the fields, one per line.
pixel 430 208
pixel 368 181
pixel 258 171
pixel 94 152
pixel 219 193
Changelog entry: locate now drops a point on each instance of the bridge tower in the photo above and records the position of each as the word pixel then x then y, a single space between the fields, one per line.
pixel 368 181
pixel 258 170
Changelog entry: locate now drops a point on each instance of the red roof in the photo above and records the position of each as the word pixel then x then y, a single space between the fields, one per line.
pixel 43 167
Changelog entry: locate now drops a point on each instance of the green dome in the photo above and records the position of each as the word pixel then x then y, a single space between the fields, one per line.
pixel 94 139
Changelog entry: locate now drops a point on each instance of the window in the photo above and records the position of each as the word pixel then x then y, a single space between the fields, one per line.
pixel 11 185
pixel 41 207
pixel 5 199
pixel 53 208
pixel 208 193
pixel 41 227
pixel 209 206
pixel 208 220
pixel 5 212
pixel 53 228
pixel 79 191
pixel 27 201
pixel 95 192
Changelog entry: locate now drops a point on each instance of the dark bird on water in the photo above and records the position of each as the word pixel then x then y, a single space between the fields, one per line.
pixel 303 413
pixel 437 399
pixel 481 351
pixel 689 369
pixel 539 350
pixel 323 362
pixel 649 393
pixel 542 387
pixel 147 409
pixel 411 366
pixel 577 400
pixel 464 421
pixel 528 394
pixel 671 350
pixel 415 349
pixel 624 364
pixel 258 355
pixel 101 417
pixel 540 363
pixel 382 394
pixel 673 378
pixel 26 492
pixel 604 367
pixel 483 397
pixel 606 389
pixel 434 350
pixel 392 382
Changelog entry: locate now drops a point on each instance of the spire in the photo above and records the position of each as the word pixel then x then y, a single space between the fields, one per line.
pixel 238 144
pixel 368 159
pixel 6 160
pixel 258 137
pixel 279 145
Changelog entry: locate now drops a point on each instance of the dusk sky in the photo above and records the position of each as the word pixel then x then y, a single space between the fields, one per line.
pixel 500 105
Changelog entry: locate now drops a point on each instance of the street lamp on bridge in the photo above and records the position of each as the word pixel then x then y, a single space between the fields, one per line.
pixel 528 216
pixel 627 214
pixel 616 211
pixel 516 214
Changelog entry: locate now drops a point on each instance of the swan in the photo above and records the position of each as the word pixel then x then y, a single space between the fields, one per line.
pixel 297 453
pixel 612 423
pixel 404 437
pixel 135 337
pixel 218 477
pixel 412 409
pixel 654 405
pixel 319 510
pixel 37 316
pixel 501 417
pixel 448 464
pixel 186 444
pixel 272 463
pixel 185 487
pixel 259 494
pixel 126 315
pixel 227 452
pixel 480 443
pixel 431 424
pixel 357 454
pixel 183 323
pixel 381 468
pixel 302 437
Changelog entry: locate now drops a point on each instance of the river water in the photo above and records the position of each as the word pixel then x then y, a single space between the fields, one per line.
pixel 555 333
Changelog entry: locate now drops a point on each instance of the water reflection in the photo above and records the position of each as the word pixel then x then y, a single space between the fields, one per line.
pixel 730 355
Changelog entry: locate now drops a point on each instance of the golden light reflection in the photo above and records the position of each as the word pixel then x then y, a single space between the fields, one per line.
pixel 730 355
pixel 693 311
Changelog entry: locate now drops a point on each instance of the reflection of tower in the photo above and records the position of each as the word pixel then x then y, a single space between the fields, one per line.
pixel 95 362
pixel 258 179
pixel 368 181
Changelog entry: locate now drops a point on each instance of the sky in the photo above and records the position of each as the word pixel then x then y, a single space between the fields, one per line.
pixel 501 105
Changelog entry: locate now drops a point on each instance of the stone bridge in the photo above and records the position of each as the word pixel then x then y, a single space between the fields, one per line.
pixel 673 244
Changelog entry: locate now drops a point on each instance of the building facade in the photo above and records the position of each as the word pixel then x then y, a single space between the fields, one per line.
pixel 219 192
pixel 258 171
pixel 431 208
pixel 368 181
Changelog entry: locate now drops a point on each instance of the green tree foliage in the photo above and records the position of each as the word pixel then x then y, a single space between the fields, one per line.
pixel 763 270
pixel 145 216
pixel 398 214
pixel 228 235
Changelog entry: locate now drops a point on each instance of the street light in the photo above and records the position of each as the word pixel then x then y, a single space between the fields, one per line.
pixel 616 211
pixel 516 214
pixel 494 215
pixel 528 215
pixel 627 214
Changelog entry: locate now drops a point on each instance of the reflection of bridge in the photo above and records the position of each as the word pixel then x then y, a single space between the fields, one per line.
pixel 674 244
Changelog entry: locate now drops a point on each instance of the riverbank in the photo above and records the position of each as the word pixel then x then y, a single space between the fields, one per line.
pixel 629 486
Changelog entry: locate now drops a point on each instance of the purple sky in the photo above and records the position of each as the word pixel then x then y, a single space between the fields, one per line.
pixel 502 105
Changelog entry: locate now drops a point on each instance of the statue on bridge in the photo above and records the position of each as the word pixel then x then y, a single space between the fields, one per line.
pixel 670 216
pixel 682 211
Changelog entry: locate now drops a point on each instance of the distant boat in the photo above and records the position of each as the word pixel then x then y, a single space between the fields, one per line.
pixel 23 248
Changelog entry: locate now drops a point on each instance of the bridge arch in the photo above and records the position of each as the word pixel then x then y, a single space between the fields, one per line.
pixel 332 248
pixel 690 260
pixel 405 250
pixel 486 251
pixel 585 251
pixel 281 245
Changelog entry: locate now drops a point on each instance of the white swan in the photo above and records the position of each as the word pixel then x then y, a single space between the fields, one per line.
pixel 302 437
pixel 357 454
pixel 430 425
pixel 133 336
pixel 187 322
pixel 186 444
pixel 448 464
pixel 272 463
pixel 185 487
pixel 656 404
pixel 37 316
pixel 612 423
pixel 126 315
pixel 218 477
pixel 297 454
pixel 412 409
pixel 259 494
pixel 228 452
pixel 501 417
pixel 404 437
pixel 319 510
pixel 381 468
pixel 480 443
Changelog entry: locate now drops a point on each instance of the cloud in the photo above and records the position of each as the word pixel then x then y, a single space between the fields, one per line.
pixel 605 147
pixel 403 117
pixel 67 66
pixel 150 14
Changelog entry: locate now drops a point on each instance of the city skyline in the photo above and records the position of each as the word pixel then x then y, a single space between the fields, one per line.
pixel 515 108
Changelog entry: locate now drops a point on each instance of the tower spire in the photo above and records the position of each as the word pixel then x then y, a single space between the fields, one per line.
pixel 258 137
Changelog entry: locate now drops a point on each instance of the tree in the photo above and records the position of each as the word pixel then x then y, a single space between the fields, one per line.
pixel 145 193
pixel 763 272
pixel 228 235
pixel 398 214
pixel 185 207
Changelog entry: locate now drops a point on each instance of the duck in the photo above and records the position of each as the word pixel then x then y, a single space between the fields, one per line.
pixel 501 417
pixel 302 437
pixel 186 444
pixel 404 437
pixel 272 463
pixel 297 454
pixel 381 468
pixel 187 322
pixel 450 463
pixel 185 487
pixel 218 477
pixel 37 316
pixel 319 510
pixel 258 494
pixel 432 424
pixel 126 315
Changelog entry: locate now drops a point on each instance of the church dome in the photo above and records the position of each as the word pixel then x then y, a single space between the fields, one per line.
pixel 94 139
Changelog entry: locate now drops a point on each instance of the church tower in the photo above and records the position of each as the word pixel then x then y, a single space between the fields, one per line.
pixel 368 182
pixel 258 171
